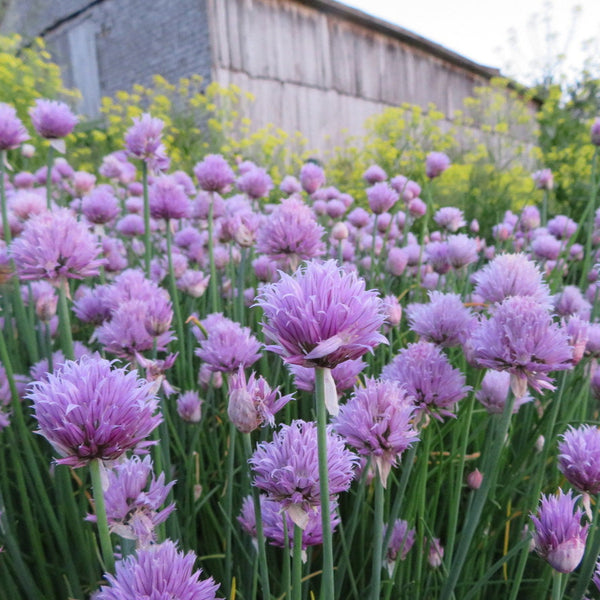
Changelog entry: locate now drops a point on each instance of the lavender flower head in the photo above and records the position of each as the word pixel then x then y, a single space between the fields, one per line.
pixel 227 345
pixel 493 394
pixel 87 410
pixel 253 403
pixel 521 338
pixel 214 173
pixel 321 317
pixel 168 199
pixel 255 182
pixel 143 140
pixel 579 458
pixel 381 197
pixel 450 218
pixel 562 227
pixel 287 468
pixel 290 234
pixel 428 376
pixel 559 536
pixel 272 520
pixel 378 422
pixel 52 119
pixel 345 375
pixel 543 179
pixel 374 174
pixel 401 541
pixel 511 275
pixel 189 407
pixel 312 177
pixel 435 164
pixel 158 572
pixel 462 250
pixel 595 132
pixel 132 503
pixel 100 206
pixel 444 320
pixel 12 130
pixel 55 246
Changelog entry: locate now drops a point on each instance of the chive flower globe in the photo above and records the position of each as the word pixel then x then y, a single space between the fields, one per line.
pixel 56 246
pixel 559 536
pixel 158 572
pixel 52 119
pixel 12 130
pixel 321 316
pixel 579 458
pixel 88 410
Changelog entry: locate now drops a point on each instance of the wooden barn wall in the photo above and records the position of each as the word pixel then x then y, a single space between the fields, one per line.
pixel 319 73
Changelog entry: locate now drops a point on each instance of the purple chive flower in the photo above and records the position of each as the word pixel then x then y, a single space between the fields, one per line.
pixel 168 199
pixel 132 503
pixel 378 422
pixel 579 458
pixel 287 468
pixel 428 376
pixel 143 140
pixel 559 536
pixel 253 403
pixel 543 179
pixel 189 407
pixel 435 553
pixel 438 257
pixel 397 261
pixel 401 541
pixel 290 234
pixel 546 247
pixel 12 130
pixel 450 218
pixel 444 320
pixel 521 338
pixel 52 119
pixel 290 185
pixel 55 246
pixel 359 217
pixel 530 218
pixel 578 335
pixel 321 317
pixel 345 375
pixel 595 132
pixel 87 410
pixel 160 572
pixel 131 225
pixel 374 174
pixel 562 227
pixel 435 164
pixel 214 173
pixel 227 345
pixel 312 177
pixel 494 392
pixel 570 301
pixel 392 310
pixel 381 197
pixel 100 206
pixel 511 275
pixel 462 250
pixel 272 521
pixel 255 182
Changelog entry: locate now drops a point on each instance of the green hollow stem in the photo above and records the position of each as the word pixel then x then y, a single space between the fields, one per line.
pixel 377 539
pixel 479 499
pixel 147 247
pixel 182 362
pixel 327 581
pixel 557 588
pixel 260 538
pixel 229 506
pixel 49 164
pixel 297 564
pixel 102 521
pixel 5 224
pixel 65 321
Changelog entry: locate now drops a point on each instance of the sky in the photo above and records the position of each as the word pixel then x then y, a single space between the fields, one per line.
pixel 522 38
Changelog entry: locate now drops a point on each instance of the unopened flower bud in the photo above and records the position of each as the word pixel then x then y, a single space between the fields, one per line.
pixel 474 479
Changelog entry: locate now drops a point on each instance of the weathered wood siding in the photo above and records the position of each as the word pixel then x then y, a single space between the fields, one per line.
pixel 319 72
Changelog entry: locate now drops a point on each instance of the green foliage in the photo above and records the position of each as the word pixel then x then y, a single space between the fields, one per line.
pixel 490 143
pixel 565 119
